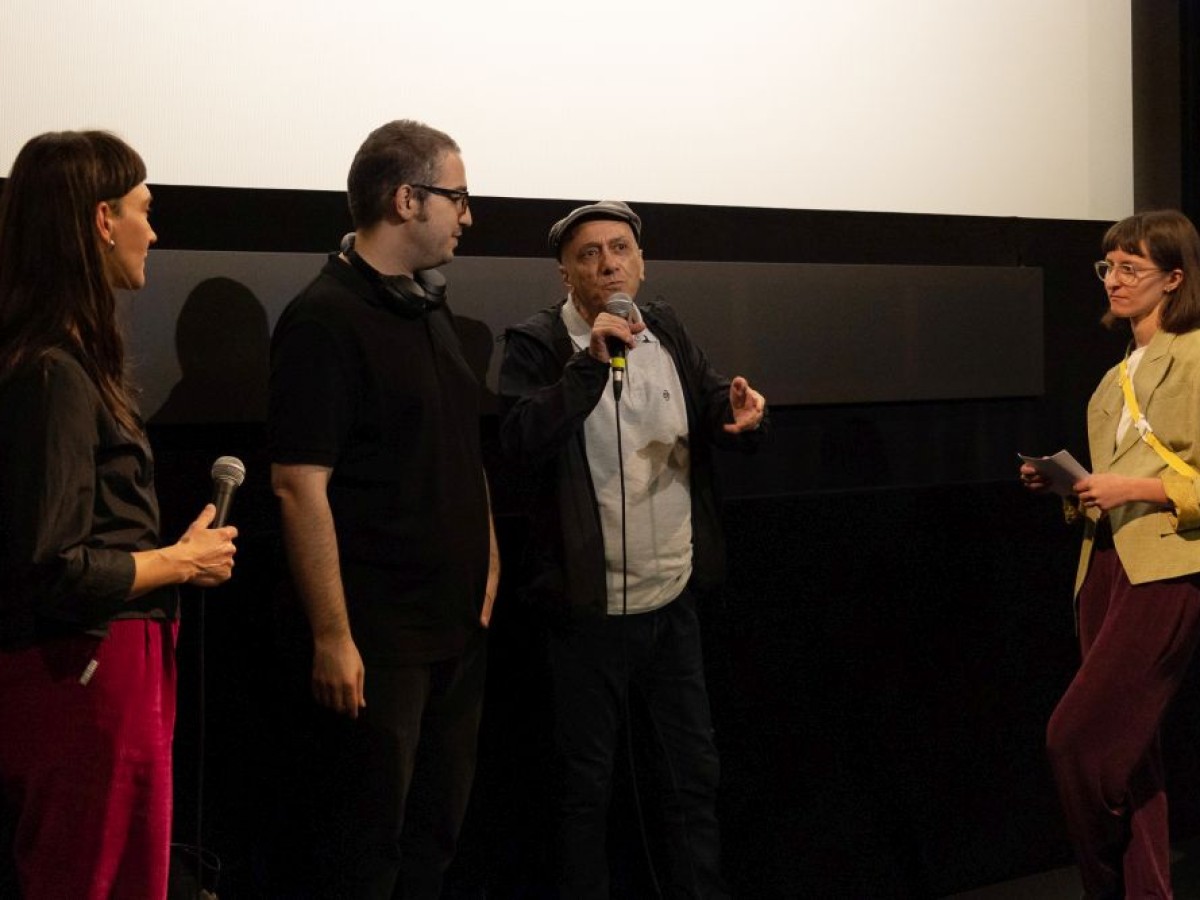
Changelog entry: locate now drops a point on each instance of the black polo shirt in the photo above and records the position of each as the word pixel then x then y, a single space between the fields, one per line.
pixel 387 400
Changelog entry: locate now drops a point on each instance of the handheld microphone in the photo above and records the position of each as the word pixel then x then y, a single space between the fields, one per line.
pixel 227 475
pixel 620 305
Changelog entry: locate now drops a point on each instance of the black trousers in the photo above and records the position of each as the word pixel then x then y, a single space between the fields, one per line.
pixel 392 787
pixel 657 654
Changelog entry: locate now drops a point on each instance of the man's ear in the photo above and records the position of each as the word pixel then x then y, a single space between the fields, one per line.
pixel 404 203
pixel 562 271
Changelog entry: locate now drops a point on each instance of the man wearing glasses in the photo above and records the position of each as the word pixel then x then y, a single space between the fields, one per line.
pixel 376 461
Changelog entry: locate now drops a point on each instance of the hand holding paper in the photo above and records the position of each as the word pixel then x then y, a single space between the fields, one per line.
pixel 1060 471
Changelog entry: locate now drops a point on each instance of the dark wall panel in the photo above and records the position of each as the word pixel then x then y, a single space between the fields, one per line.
pixel 803 333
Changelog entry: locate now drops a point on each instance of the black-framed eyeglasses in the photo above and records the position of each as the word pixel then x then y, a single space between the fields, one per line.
pixel 461 199
pixel 1125 273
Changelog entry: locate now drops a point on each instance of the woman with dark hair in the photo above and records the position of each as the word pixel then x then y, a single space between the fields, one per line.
pixel 88 599
pixel 1138 587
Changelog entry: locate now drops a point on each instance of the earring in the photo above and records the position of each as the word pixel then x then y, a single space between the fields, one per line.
pixel 111 244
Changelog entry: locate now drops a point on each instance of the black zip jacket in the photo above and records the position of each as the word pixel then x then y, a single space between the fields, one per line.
pixel 547 390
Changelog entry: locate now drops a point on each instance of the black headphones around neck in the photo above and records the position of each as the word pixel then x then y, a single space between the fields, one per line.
pixel 411 297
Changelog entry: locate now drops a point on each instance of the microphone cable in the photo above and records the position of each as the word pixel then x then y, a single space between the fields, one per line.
pixel 205 860
pixel 627 710
pixel 658 735
pixel 227 473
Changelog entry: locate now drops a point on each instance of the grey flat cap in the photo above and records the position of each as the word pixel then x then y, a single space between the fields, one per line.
pixel 603 209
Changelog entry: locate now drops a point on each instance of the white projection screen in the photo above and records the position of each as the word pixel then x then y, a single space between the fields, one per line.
pixel 974 107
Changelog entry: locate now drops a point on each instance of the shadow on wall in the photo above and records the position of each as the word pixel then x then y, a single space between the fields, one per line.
pixel 223 343
pixel 478 345
pixel 222 339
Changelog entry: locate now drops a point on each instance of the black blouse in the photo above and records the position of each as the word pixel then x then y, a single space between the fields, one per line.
pixel 76 498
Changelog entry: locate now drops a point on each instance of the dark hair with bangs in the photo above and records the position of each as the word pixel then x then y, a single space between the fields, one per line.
pixel 1168 239
pixel 400 152
pixel 55 290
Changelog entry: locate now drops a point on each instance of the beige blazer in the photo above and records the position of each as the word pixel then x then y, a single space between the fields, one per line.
pixel 1152 542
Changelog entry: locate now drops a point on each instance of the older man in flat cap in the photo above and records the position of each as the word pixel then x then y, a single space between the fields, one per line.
pixel 617 413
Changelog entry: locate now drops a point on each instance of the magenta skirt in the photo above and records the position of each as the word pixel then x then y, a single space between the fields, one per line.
pixel 85 762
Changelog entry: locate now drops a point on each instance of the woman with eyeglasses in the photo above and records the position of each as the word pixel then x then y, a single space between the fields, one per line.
pixel 1138 587
pixel 88 602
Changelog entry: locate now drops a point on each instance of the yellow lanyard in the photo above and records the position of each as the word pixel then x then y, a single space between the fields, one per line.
pixel 1144 429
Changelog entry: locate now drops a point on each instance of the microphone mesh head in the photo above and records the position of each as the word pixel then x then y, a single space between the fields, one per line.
pixel 619 304
pixel 229 468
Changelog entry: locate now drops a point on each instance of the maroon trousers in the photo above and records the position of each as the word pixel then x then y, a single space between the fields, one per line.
pixel 1103 738
pixel 85 770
